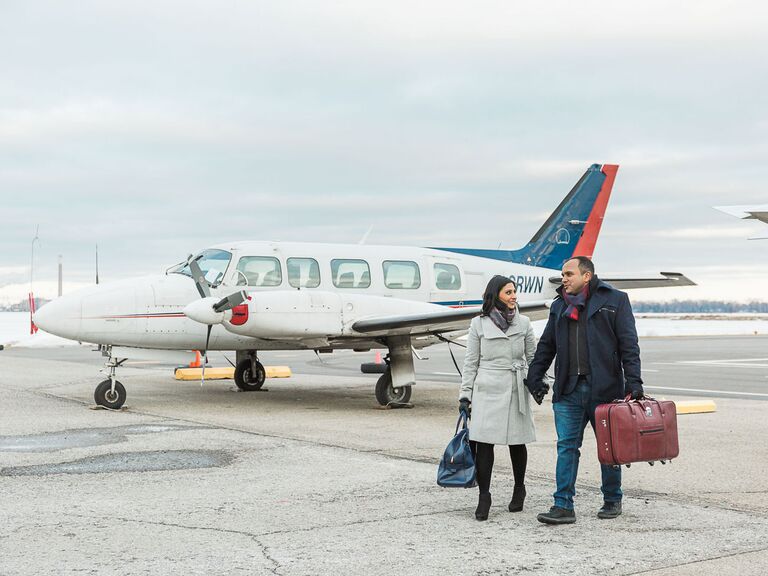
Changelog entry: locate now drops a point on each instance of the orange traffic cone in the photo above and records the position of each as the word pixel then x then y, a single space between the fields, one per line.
pixel 197 362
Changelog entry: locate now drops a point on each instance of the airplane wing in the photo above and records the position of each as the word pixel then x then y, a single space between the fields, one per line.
pixel 751 211
pixel 668 280
pixel 437 322
pixel 748 212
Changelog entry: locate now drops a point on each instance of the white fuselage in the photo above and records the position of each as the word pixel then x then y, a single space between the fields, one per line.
pixel 338 284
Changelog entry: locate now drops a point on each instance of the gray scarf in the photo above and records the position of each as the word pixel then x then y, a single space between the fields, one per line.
pixel 502 316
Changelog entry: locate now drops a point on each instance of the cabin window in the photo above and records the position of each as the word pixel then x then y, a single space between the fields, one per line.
pixel 303 272
pixel 401 274
pixel 447 277
pixel 350 273
pixel 259 271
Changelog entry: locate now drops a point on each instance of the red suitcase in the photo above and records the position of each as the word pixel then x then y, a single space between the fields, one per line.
pixel 636 431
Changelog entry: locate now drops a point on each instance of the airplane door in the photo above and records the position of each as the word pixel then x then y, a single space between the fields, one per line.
pixel 447 281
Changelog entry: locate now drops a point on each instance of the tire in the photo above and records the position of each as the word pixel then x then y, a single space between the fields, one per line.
pixel 245 381
pixel 103 395
pixel 386 394
pixel 373 367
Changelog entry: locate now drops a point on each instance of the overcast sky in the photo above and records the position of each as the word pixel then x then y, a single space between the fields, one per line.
pixel 158 128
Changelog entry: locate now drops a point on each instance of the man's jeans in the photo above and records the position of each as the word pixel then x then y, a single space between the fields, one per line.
pixel 572 413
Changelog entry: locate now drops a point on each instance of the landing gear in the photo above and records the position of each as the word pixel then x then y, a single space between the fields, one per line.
pixel 387 394
pixel 109 397
pixel 110 393
pixel 250 375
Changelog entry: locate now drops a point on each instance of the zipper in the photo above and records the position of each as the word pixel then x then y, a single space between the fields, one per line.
pixel 578 355
pixel 651 431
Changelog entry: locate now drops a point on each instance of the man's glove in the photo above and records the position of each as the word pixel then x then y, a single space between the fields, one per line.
pixel 538 392
pixel 464 406
pixel 637 393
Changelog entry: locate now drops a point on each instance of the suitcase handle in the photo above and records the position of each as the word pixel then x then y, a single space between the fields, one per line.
pixel 628 398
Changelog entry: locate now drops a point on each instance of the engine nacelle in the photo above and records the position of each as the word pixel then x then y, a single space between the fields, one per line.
pixel 202 311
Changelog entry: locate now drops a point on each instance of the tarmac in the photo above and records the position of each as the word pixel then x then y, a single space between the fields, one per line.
pixel 311 477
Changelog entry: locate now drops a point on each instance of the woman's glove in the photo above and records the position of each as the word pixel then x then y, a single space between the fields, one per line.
pixel 464 406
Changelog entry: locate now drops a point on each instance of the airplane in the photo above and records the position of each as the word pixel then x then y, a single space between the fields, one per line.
pixel 748 212
pixel 254 296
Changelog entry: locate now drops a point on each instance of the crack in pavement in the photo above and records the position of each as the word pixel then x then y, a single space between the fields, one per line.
pixel 731 555
pixel 254 537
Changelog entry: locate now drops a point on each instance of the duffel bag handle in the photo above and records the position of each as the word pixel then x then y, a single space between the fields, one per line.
pixel 461 422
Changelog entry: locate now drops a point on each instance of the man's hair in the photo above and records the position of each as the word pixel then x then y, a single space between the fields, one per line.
pixel 585 264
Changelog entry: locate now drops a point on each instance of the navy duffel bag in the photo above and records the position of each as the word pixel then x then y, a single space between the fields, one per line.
pixel 457 468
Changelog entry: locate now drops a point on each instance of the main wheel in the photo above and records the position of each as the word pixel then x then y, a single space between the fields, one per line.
pixel 387 394
pixel 103 395
pixel 245 380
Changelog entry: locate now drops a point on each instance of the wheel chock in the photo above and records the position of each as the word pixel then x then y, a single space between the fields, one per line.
pixel 227 373
pixel 695 406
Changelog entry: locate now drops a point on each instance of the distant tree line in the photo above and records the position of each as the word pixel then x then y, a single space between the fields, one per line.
pixel 702 307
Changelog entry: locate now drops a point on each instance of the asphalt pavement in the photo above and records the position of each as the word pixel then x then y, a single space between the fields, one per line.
pixel 311 477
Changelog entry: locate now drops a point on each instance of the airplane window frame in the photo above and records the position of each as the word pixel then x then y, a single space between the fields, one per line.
pixel 260 285
pixel 436 272
pixel 200 258
pixel 410 263
pixel 288 273
pixel 335 275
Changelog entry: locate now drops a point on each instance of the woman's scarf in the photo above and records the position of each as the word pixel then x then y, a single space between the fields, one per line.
pixel 502 315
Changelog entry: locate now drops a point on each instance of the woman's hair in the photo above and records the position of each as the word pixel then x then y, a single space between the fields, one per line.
pixel 492 292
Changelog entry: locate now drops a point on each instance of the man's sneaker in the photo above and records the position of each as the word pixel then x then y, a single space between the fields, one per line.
pixel 609 510
pixel 557 515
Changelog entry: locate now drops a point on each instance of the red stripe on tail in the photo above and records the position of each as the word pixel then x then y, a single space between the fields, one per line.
pixel 586 245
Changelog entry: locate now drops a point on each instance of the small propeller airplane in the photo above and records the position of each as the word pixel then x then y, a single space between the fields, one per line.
pixel 254 296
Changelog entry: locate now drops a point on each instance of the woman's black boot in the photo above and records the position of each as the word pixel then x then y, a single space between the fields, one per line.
pixel 483 506
pixel 518 497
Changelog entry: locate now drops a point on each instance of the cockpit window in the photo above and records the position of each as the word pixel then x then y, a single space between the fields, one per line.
pixel 213 264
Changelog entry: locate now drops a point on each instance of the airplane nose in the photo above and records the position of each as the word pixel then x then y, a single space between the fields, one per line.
pixel 61 317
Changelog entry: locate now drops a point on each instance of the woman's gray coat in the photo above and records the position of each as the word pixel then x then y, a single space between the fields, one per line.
pixel 494 367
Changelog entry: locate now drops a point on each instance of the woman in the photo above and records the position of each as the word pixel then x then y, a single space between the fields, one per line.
pixel 499 347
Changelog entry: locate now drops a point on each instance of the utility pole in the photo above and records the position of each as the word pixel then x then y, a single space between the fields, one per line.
pixel 32 327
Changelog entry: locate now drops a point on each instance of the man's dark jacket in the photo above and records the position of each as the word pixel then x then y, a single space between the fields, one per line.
pixel 614 353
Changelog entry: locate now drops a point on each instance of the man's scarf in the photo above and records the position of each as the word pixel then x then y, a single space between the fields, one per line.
pixel 575 302
pixel 502 315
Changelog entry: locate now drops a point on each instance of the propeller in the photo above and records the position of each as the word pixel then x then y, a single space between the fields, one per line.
pixel 199 278
pixel 207 312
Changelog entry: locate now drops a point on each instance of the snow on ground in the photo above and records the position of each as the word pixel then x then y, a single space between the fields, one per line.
pixel 14 331
pixel 14 327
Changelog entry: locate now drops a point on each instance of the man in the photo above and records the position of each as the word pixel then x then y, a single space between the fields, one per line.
pixel 592 332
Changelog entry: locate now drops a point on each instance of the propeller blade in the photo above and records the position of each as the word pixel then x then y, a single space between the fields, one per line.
pixel 199 278
pixel 229 302
pixel 205 353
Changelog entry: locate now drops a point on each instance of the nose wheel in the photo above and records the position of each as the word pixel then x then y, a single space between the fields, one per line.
pixel 110 393
pixel 110 396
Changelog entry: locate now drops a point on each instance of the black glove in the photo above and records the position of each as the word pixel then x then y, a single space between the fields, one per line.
pixel 538 392
pixel 637 393
pixel 464 406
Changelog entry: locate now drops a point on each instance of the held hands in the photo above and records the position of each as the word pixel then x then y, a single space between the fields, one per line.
pixel 464 406
pixel 539 392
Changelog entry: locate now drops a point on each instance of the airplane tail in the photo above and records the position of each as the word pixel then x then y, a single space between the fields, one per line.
pixel 571 230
